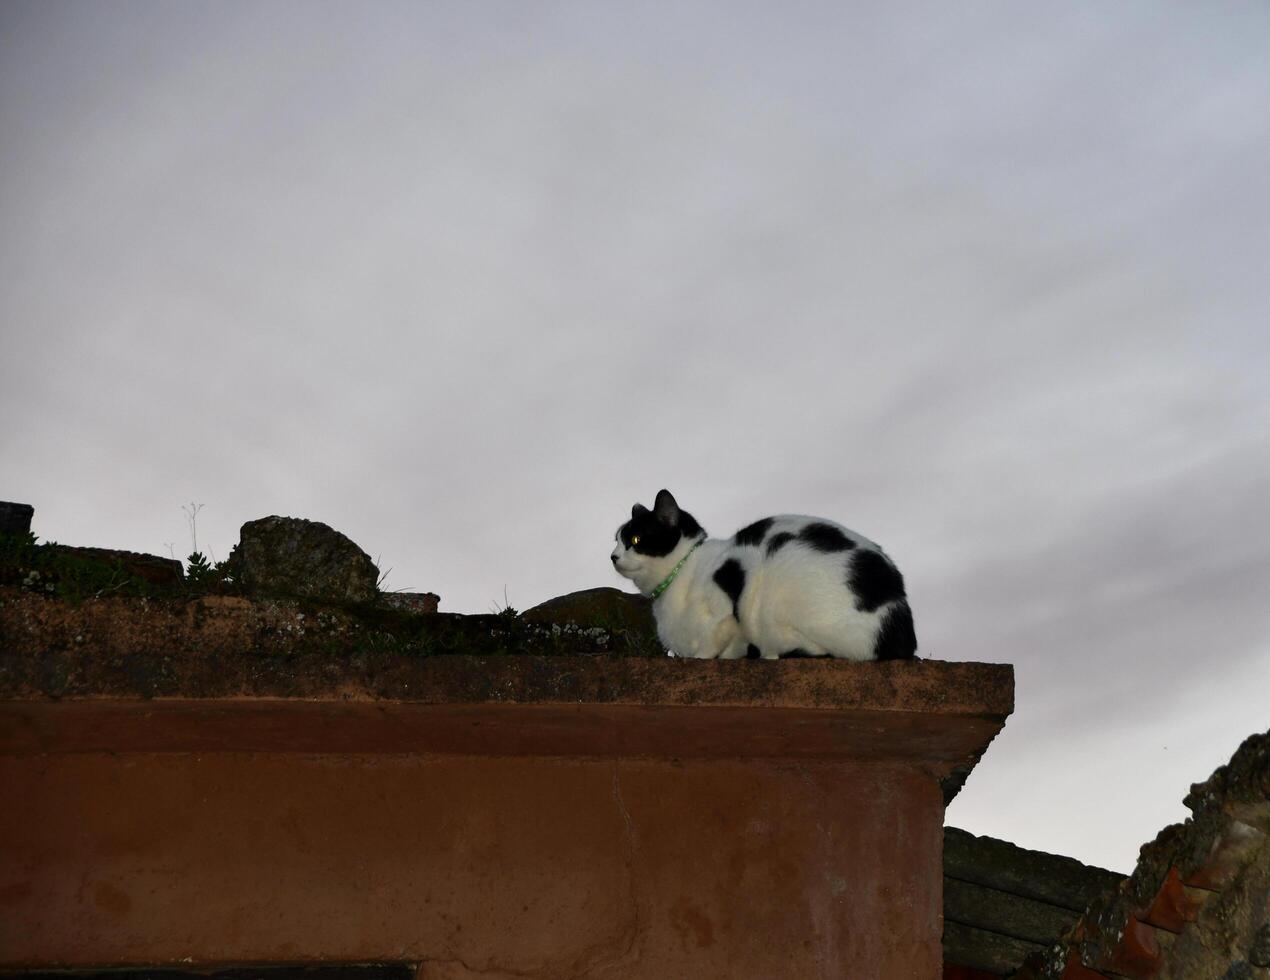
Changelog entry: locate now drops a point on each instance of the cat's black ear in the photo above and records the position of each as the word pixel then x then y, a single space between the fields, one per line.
pixel 665 509
pixel 639 510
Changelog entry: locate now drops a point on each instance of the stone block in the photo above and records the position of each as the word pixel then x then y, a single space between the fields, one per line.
pixel 15 518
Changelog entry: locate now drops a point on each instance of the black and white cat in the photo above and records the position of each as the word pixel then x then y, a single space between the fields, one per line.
pixel 782 586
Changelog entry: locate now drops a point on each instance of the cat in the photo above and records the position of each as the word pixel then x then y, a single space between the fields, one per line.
pixel 783 586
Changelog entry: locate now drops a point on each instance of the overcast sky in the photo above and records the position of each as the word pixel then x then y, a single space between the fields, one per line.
pixel 986 282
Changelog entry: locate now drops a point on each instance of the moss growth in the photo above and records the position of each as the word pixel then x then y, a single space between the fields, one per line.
pixel 213 645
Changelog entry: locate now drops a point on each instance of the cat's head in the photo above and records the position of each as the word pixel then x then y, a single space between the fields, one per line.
pixel 649 544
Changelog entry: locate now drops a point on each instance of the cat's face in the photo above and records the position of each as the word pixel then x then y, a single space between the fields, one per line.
pixel 647 542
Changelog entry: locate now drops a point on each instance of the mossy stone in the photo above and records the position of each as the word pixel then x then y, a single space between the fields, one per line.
pixel 296 557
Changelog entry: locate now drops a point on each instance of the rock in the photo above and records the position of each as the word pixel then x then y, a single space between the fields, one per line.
pixel 1244 779
pixel 621 621
pixel 292 556
pixel 610 608
pixel 15 518
pixel 147 568
pixel 411 602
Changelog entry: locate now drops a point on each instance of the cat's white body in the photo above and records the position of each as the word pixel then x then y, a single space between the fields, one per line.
pixel 792 601
pixel 787 584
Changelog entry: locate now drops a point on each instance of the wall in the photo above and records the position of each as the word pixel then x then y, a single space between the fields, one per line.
pixel 676 822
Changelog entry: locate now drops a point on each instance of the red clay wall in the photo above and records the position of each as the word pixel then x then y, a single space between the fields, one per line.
pixel 479 867
pixel 493 840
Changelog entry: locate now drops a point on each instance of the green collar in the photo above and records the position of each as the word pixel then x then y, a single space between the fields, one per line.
pixel 665 583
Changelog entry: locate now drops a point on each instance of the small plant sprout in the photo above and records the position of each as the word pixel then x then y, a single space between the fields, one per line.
pixel 198 571
pixel 383 574
pixel 506 608
pixel 191 518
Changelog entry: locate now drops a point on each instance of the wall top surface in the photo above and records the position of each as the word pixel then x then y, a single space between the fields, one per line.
pixel 207 677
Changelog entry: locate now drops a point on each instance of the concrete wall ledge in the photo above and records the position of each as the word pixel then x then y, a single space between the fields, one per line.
pixel 942 714
pixel 512 817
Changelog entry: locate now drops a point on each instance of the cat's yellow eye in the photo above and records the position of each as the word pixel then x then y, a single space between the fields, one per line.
pixel 634 540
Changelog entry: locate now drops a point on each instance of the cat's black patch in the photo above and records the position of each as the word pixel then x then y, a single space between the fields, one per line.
pixel 688 526
pixel 825 537
pixel 730 577
pixel 755 533
pixel 656 538
pixel 873 580
pixel 778 541
pixel 897 639
pixel 753 653
pixel 796 652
